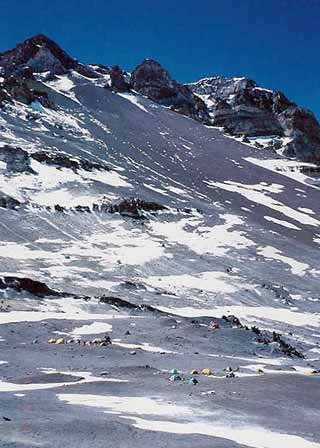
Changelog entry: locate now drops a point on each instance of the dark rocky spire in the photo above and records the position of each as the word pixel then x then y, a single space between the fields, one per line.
pixel 152 80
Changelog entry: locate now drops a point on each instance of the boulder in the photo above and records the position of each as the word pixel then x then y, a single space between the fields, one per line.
pixel 135 208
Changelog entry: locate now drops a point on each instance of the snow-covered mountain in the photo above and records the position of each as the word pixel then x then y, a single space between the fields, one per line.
pixel 126 208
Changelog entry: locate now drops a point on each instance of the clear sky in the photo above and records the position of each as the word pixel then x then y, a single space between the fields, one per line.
pixel 275 42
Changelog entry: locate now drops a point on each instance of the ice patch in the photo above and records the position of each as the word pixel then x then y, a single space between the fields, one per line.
pixel 107 177
pixel 306 210
pixel 196 420
pixel 297 268
pixel 88 378
pixel 144 346
pixel 94 328
pixel 211 281
pixel 282 223
pixel 134 100
pixel 63 85
pixel 257 194
pixel 116 244
pixel 288 168
pixel 216 240
pixel 177 191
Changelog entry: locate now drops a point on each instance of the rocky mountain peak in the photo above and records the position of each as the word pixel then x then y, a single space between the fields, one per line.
pixel 154 81
pixel 150 77
pixel 40 54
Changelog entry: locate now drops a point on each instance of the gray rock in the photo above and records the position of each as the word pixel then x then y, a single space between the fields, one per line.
pixel 244 108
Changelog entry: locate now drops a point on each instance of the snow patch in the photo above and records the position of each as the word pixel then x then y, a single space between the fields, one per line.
pixel 134 100
pixel 282 223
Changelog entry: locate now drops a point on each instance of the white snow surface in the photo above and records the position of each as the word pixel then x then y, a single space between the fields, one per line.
pixel 195 421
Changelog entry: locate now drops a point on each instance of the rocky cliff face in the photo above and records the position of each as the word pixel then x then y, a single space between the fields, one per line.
pixel 244 108
pixel 302 128
pixel 152 80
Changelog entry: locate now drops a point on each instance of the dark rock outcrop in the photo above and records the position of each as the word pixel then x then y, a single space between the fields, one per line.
pixel 17 159
pixel 82 209
pixel 285 347
pixel 20 284
pixel 121 303
pixel 304 131
pixel 152 80
pixel 135 286
pixel 65 161
pixel 119 80
pixel 9 203
pixel 24 90
pixel 135 208
pixel 243 108
pixel 4 96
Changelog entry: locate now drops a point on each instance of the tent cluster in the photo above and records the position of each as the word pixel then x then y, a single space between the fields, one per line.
pixel 176 376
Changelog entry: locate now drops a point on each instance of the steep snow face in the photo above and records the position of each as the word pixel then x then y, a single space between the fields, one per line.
pixel 97 147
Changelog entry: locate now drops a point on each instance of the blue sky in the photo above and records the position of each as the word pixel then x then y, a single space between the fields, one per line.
pixel 275 42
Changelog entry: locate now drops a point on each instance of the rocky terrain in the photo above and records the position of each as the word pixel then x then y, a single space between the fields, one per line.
pixel 159 259
pixel 243 108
